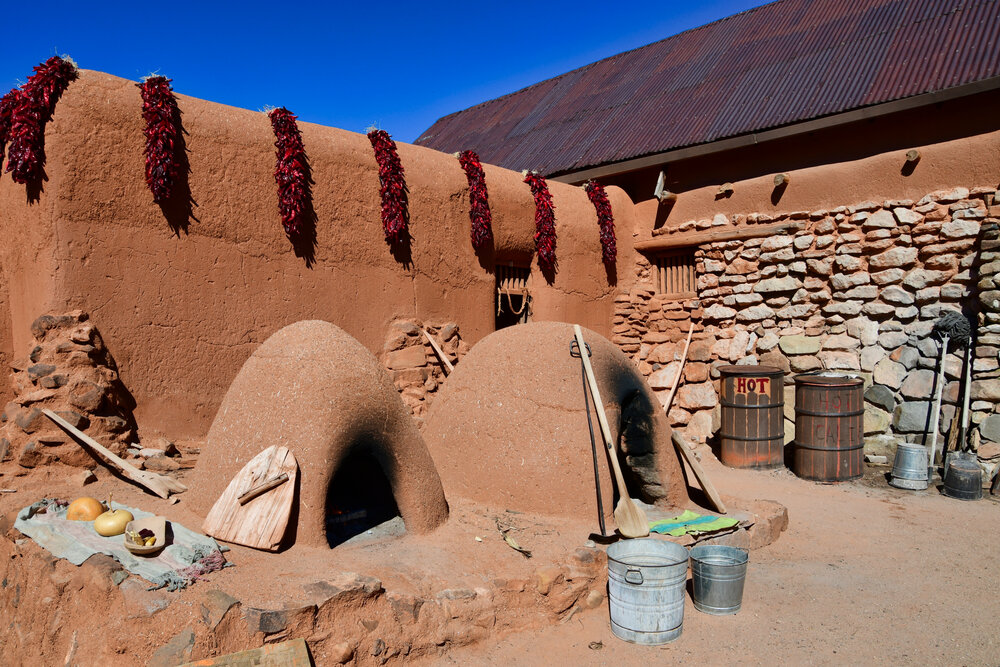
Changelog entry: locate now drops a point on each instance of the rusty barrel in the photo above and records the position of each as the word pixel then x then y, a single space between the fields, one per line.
pixel 829 428
pixel 752 434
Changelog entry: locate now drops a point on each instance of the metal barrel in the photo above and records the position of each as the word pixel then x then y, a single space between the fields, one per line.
pixel 909 467
pixel 752 434
pixel 963 480
pixel 646 580
pixel 717 576
pixel 829 428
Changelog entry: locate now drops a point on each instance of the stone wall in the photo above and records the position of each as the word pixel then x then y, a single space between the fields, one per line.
pixel 855 289
pixel 414 366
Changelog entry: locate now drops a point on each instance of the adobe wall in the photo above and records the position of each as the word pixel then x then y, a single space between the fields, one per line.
pixel 854 282
pixel 182 311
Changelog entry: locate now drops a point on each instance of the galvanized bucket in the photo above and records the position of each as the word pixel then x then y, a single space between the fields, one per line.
pixel 909 468
pixel 646 590
pixel 718 574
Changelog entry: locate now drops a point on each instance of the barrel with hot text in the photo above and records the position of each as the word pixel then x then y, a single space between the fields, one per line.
pixel 752 434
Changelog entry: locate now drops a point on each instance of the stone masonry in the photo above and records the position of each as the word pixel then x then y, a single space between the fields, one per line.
pixel 856 289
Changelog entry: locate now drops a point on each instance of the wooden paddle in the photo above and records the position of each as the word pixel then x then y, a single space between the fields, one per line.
pixel 630 518
pixel 161 485
pixel 699 472
pixel 254 508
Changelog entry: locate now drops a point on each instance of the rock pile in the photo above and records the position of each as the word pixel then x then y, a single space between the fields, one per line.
pixel 854 289
pixel 71 372
pixel 415 368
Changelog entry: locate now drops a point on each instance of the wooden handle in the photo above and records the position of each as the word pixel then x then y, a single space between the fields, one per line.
pixel 680 370
pixel 699 472
pixel 263 488
pixel 440 353
pixel 602 418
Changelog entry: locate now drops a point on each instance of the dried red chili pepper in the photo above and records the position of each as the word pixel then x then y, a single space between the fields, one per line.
pixel 290 169
pixel 479 205
pixel 163 133
pixel 33 108
pixel 7 103
pixel 395 200
pixel 599 198
pixel 545 221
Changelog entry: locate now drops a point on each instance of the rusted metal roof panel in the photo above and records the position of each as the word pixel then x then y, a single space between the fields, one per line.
pixel 782 63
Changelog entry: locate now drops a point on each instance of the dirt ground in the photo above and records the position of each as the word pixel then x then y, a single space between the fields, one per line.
pixel 865 574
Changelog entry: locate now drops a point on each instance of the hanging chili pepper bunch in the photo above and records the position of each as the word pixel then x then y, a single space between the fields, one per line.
pixel 290 169
pixel 599 198
pixel 479 204
pixel 545 221
pixel 163 131
pixel 33 108
pixel 7 103
pixel 395 202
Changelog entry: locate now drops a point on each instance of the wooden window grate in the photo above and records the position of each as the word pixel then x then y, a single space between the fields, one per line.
pixel 675 274
pixel 513 301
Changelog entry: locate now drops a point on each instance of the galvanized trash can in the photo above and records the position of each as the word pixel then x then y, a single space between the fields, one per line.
pixel 646 580
pixel 718 574
pixel 909 467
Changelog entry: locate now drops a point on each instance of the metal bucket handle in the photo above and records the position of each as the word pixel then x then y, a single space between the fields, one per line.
pixel 633 576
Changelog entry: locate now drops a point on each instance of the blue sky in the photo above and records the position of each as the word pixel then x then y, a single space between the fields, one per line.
pixel 397 65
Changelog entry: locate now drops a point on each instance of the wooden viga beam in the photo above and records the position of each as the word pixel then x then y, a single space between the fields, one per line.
pixel 728 234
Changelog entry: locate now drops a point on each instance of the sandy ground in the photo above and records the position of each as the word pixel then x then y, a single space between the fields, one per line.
pixel 865 574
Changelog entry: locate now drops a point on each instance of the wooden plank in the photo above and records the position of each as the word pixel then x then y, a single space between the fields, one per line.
pixel 699 472
pixel 728 234
pixel 440 353
pixel 292 653
pixel 262 521
pixel 161 485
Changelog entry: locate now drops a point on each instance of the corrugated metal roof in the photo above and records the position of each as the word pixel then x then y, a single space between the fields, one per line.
pixel 782 63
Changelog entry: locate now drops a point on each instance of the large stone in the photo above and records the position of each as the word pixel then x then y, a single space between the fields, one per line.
pixel 878 310
pixel 848 263
pixel 889 373
pixel 776 359
pixel 986 390
pixel 864 330
pixel 804 363
pixel 821 267
pixel 870 356
pixel 772 243
pixel 409 357
pixel 881 396
pixel 843 281
pixel 888 277
pixel 876 420
pixel 739 346
pixel 897 295
pixel 771 285
pixel 906 216
pixel 846 308
pixel 890 340
pixel 893 259
pixel 768 342
pixel 841 342
pixel 795 311
pixel 920 278
pixel 989 428
pixel 718 312
pixel 918 384
pixel 800 344
pixel 697 396
pixel 958 229
pixel 912 417
pixel 754 314
pixel 881 219
pixel 175 652
pixel 907 356
pixel 664 377
pixel 839 360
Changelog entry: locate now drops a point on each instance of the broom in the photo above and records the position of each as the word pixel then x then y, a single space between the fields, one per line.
pixel 951 328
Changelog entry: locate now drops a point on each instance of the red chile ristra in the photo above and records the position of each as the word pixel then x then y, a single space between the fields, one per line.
pixel 395 201
pixel 545 221
pixel 32 109
pixel 479 205
pixel 159 110
pixel 7 103
pixel 599 198
pixel 289 169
